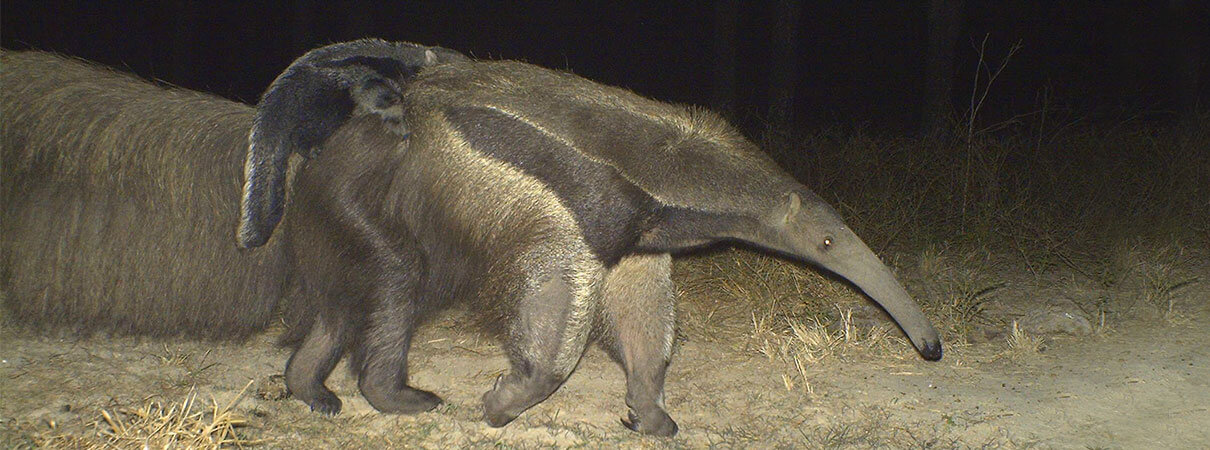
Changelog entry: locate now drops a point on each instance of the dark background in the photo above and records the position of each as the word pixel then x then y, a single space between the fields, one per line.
pixel 850 63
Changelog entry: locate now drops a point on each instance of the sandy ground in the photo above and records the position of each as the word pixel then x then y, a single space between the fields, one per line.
pixel 1141 382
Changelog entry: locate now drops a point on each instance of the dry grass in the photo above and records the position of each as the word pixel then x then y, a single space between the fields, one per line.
pixel 1162 277
pixel 720 290
pixel 154 425
pixel 801 344
pixel 956 288
pixel 954 217
pixel 176 425
pixel 1028 199
pixel 1041 196
pixel 174 357
pixel 782 310
pixel 1021 344
pixel 1150 273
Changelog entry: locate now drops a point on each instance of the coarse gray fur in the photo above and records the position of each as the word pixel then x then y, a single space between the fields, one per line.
pixel 551 203
pixel 118 199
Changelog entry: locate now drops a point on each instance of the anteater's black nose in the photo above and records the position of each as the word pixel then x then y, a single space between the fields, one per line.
pixel 931 350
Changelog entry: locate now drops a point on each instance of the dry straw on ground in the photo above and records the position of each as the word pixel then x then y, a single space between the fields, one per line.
pixel 182 424
pixel 1021 344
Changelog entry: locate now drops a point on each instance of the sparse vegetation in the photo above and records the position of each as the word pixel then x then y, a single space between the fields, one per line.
pixel 153 424
pixel 178 424
pixel 720 291
pixel 1038 226
pixel 1112 213
pixel 1021 344
pixel 1163 276
pixel 957 288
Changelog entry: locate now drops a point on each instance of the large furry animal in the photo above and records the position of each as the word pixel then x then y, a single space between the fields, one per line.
pixel 118 195
pixel 551 203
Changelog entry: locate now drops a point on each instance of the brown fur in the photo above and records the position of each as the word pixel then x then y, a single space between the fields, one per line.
pixel 118 201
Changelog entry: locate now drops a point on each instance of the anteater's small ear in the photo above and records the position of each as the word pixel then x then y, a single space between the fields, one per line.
pixel 382 98
pixel 790 205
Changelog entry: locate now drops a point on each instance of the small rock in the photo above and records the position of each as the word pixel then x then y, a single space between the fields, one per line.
pixel 272 388
pixel 13 361
pixel 1056 320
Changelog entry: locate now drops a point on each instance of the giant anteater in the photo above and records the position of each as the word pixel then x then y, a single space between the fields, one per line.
pixel 549 202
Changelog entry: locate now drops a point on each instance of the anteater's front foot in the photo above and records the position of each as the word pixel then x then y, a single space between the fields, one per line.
pixel 656 423
pixel 513 394
pixel 499 403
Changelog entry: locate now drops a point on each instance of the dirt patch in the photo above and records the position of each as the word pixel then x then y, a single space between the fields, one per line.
pixel 1137 380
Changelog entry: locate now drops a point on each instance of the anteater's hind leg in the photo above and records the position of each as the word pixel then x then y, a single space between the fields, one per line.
pixel 545 340
pixel 313 361
pixel 638 315
pixel 383 373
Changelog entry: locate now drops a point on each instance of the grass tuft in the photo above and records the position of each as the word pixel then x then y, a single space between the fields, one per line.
pixel 1021 344
pixel 175 425
pixel 956 288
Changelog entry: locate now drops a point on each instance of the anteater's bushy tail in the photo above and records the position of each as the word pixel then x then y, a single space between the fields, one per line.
pixel 118 198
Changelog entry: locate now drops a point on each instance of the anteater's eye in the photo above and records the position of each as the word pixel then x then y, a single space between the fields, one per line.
pixel 827 242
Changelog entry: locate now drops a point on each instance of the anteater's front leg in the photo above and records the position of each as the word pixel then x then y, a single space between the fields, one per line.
pixel 546 339
pixel 638 315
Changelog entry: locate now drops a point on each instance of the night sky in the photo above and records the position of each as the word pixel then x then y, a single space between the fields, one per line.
pixel 858 63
